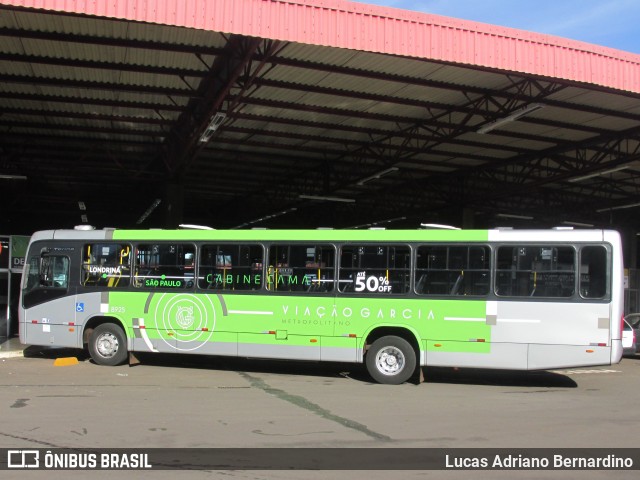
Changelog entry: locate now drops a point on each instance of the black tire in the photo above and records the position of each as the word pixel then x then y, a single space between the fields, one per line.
pixel 391 360
pixel 108 345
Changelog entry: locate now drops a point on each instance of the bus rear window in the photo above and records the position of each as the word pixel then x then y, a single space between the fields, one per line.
pixel 593 272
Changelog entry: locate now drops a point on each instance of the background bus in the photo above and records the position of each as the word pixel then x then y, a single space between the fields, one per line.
pixel 393 299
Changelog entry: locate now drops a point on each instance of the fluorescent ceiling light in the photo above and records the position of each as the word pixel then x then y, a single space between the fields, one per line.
pixel 266 217
pixel 13 177
pixel 513 215
pixel 619 207
pixel 214 123
pixel 190 226
pixel 515 115
pixel 327 199
pixel 151 208
pixel 596 174
pixel 379 222
pixel 438 225
pixel 578 224
pixel 376 176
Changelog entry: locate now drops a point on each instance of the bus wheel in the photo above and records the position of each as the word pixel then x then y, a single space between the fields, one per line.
pixel 391 360
pixel 108 345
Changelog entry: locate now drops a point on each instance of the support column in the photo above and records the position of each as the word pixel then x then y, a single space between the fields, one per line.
pixel 468 218
pixel 632 239
pixel 632 276
pixel 629 247
pixel 174 205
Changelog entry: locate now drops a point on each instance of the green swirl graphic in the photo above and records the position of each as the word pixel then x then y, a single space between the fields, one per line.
pixel 186 316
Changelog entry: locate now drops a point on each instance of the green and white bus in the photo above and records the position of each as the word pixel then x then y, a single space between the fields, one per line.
pixel 393 299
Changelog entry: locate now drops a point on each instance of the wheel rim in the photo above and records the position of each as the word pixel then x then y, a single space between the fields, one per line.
pixel 390 360
pixel 107 345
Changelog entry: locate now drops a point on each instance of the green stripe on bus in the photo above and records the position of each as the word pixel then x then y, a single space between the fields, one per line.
pixel 315 236
pixel 459 324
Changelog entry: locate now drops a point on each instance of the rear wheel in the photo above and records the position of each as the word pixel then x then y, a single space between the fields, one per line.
pixel 108 345
pixel 391 360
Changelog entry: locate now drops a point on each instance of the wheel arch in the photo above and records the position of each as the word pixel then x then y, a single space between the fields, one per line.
pixel 403 332
pixel 91 324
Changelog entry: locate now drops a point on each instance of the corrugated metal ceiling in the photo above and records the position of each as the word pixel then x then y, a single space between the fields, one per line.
pixel 109 112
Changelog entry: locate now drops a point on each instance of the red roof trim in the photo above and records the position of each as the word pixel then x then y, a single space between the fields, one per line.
pixel 344 24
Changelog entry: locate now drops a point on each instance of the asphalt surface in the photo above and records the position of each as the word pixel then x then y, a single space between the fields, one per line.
pixel 187 401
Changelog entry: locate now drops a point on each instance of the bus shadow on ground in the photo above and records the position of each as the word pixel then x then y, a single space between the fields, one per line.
pixel 505 378
pixel 52 353
pixel 325 370
pixel 358 372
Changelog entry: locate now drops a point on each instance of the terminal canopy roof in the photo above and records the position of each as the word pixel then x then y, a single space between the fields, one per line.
pixel 255 113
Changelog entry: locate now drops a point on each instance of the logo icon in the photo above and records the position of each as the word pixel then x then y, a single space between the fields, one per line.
pixel 80 307
pixel 184 317
pixel 23 459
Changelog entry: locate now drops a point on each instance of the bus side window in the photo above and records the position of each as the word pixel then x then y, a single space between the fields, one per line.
pixel 106 265
pixel 451 270
pixel 546 271
pixel 165 265
pixel 301 268
pixel 593 272
pixel 375 269
pixel 230 267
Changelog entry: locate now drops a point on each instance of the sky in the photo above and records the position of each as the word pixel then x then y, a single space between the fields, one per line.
pixel 609 23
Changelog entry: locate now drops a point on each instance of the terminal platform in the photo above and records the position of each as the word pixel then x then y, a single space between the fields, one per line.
pixel 11 347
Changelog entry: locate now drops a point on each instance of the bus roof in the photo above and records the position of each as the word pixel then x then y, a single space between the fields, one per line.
pixel 325 235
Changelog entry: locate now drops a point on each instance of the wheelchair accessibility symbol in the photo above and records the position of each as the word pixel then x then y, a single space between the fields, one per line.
pixel 80 307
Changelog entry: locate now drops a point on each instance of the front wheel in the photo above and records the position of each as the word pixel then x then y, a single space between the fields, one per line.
pixel 391 360
pixel 108 345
